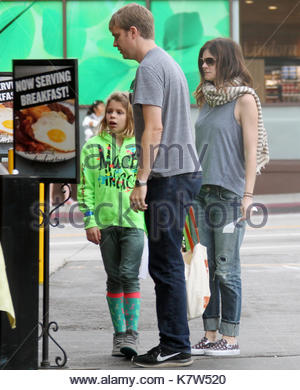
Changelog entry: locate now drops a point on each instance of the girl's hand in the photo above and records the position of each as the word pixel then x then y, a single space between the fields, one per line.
pixel 93 235
pixel 246 203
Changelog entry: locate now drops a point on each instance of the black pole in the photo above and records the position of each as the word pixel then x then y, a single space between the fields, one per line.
pixel 46 325
pixel 45 362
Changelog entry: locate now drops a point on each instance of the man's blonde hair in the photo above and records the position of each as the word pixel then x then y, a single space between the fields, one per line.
pixel 123 98
pixel 134 15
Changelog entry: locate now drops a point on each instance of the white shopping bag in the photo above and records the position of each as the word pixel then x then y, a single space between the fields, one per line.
pixel 197 281
pixel 143 271
pixel 196 275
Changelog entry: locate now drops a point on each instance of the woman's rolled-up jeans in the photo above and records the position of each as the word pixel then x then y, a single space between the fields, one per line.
pixel 217 210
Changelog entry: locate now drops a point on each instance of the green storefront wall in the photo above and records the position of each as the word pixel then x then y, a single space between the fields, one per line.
pixel 181 29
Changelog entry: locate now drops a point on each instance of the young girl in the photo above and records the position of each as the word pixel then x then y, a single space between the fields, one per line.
pixel 108 170
pixel 230 126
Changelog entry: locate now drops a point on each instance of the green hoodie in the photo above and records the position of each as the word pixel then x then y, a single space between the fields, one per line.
pixel 107 177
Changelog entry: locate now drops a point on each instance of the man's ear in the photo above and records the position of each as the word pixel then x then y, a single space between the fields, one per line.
pixel 134 31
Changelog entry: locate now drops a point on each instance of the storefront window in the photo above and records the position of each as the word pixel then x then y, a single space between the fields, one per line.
pixel 35 30
pixel 271 44
pixel 101 67
pixel 182 27
pixel 30 30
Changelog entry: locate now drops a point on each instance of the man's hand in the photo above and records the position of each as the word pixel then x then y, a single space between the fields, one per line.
pixel 137 198
pixel 93 235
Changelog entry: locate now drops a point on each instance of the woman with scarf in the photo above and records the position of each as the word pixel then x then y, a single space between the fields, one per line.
pixel 232 144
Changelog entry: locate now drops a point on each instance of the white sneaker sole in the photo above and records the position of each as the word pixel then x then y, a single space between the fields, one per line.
pixel 233 352
pixel 197 352
pixel 117 353
pixel 164 364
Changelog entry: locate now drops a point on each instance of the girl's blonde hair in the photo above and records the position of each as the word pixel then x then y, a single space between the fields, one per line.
pixel 123 98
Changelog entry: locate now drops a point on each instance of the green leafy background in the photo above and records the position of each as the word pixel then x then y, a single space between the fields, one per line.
pixel 181 28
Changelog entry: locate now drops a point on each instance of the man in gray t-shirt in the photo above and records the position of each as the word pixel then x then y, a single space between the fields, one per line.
pixel 160 82
pixel 168 177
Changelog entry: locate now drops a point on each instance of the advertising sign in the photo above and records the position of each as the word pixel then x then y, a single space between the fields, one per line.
pixel 46 131
pixel 6 108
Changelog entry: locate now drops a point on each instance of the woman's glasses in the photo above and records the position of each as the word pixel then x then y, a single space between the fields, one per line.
pixel 209 61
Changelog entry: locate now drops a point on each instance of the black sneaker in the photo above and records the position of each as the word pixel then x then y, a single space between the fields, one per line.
pixel 161 357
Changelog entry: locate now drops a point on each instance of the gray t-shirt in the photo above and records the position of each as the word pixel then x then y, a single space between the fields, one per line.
pixel 160 82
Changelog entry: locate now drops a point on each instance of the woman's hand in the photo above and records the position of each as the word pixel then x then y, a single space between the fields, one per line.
pixel 246 203
pixel 93 235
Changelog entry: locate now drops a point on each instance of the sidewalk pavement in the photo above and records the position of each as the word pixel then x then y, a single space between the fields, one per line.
pixel 269 335
pixel 280 203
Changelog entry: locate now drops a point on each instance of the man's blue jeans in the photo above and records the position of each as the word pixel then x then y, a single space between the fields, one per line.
pixel 215 208
pixel 168 199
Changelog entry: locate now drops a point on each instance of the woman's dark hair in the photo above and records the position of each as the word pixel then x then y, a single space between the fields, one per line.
pixel 230 65
pixel 93 106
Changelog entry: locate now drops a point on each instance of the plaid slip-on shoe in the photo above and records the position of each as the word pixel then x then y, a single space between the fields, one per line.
pixel 222 348
pixel 200 348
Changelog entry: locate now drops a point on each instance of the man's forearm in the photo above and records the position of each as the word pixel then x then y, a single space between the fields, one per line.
pixel 150 144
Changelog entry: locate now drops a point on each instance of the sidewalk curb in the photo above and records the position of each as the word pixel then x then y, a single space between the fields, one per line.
pixel 283 208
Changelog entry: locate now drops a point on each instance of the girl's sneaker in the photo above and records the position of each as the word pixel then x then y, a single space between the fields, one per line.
pixel 222 348
pixel 201 347
pixel 129 346
pixel 118 339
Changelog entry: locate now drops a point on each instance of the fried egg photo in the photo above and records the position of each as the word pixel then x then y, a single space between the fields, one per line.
pixel 54 130
pixel 6 121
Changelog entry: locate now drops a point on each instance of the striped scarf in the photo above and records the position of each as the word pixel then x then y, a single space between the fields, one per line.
pixel 216 97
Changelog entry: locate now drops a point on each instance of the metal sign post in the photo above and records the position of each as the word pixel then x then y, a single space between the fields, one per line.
pixel 46 325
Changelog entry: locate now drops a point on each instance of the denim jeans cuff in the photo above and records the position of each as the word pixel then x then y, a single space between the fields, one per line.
pixel 229 329
pixel 211 323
